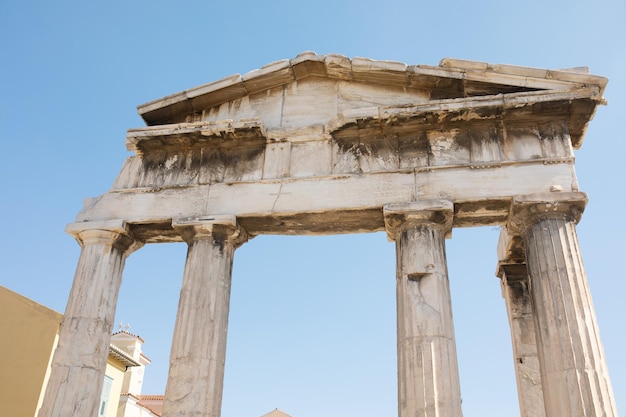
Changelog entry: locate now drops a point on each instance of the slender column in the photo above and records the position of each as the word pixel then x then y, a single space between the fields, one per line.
pixel 80 359
pixel 428 377
pixel 514 280
pixel 196 375
pixel 516 292
pixel 573 367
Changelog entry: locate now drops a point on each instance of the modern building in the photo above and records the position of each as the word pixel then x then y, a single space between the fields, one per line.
pixel 29 338
pixel 131 403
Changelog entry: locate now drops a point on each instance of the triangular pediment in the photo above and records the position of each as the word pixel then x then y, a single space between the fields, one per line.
pixel 452 79
pixel 346 98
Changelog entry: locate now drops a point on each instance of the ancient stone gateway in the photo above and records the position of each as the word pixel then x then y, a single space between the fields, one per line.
pixel 326 144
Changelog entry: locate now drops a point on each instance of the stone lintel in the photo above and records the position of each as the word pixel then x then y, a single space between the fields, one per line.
pixel 391 119
pixel 513 272
pixel 220 227
pixel 511 269
pixel 475 110
pixel 528 209
pixel 399 216
pixel 511 255
pixel 514 282
pixel 505 246
pixel 196 134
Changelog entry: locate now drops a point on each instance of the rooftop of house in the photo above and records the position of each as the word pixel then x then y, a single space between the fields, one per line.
pixel 276 413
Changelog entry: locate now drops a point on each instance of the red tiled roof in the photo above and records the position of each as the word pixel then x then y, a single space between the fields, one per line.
pixel 151 397
pixel 152 403
pixel 129 333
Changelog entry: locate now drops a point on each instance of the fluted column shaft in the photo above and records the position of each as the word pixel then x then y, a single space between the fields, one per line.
pixel 573 367
pixel 79 362
pixel 196 374
pixel 428 378
pixel 514 279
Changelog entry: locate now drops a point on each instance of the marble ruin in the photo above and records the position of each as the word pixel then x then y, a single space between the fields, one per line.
pixel 324 144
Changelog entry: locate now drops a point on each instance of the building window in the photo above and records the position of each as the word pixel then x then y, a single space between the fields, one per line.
pixel 104 398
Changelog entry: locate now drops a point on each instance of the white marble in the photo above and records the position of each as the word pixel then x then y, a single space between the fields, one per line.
pixel 573 366
pixel 197 359
pixel 80 358
pixel 324 144
pixel 428 376
pixel 515 283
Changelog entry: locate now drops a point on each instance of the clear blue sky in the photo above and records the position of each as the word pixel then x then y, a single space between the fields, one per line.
pixel 312 325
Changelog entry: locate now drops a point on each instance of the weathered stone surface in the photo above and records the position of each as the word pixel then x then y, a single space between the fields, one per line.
pixel 335 127
pixel 325 144
pixel 428 380
pixel 571 357
pixel 197 358
pixel 81 355
pixel 516 293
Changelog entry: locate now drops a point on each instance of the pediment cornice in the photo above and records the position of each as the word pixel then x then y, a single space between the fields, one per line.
pixel 453 79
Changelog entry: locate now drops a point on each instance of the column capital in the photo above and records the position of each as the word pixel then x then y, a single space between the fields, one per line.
pixel 220 227
pixel 399 216
pixel 112 232
pixel 527 210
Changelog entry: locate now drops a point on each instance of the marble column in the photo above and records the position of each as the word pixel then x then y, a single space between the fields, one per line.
pixel 516 293
pixel 196 374
pixel 79 363
pixel 571 357
pixel 515 283
pixel 428 377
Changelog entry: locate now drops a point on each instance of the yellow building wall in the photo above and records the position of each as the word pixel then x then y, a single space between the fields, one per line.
pixel 115 370
pixel 29 332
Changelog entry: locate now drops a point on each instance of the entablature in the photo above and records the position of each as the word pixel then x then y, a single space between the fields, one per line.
pixel 190 154
pixel 321 143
